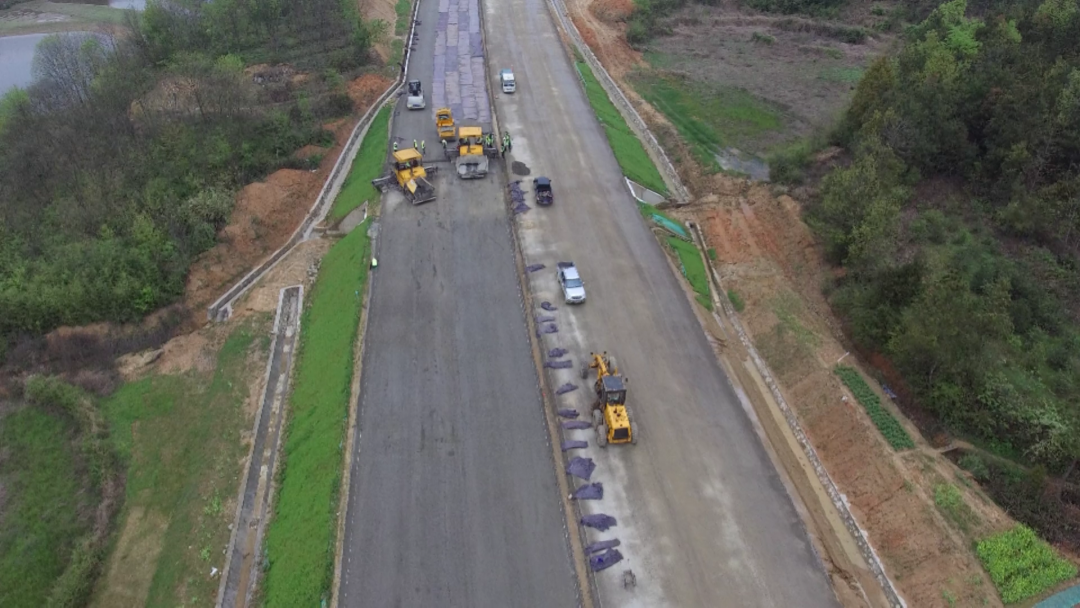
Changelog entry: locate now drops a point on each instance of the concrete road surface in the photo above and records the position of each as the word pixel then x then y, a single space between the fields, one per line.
pixel 453 498
pixel 703 516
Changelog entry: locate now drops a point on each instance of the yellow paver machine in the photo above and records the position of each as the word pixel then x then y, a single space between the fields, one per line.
pixel 410 175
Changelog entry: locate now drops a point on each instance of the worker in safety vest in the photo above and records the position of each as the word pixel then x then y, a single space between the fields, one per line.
pixel 395 146
pixel 415 147
pixel 423 147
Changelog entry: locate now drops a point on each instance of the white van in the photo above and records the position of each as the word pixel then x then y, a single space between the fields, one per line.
pixel 506 78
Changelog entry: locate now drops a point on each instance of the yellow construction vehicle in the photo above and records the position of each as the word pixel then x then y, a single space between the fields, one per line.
pixel 444 122
pixel 611 416
pixel 411 175
pixel 472 160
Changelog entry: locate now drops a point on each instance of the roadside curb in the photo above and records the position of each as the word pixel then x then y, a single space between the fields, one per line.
pixel 838 500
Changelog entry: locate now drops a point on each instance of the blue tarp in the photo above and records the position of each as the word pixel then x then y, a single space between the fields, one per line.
pixel 581 468
pixel 602 545
pixel 568 413
pixel 574 444
pixel 607 559
pixel 575 424
pixel 591 491
pixel 566 388
pixel 599 521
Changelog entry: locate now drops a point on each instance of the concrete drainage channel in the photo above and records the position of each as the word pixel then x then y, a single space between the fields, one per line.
pixel 243 565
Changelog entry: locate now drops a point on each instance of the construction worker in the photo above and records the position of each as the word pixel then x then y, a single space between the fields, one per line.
pixel 415 147
pixel 395 145
pixel 423 147
pixel 509 142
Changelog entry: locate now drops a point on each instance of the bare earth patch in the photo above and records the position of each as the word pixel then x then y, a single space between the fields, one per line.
pixel 126 581
pixel 766 255
pixel 811 75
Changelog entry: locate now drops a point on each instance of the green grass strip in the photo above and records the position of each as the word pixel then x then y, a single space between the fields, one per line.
pixel 368 165
pixel 889 426
pixel 629 152
pixel 401 25
pixel 693 267
pixel 41 520
pixel 1021 564
pixel 300 541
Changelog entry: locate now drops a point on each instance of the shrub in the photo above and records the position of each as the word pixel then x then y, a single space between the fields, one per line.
pixel 974 464
pixel 762 38
pixel 951 503
pixel 1021 564
pixel 736 300
pixel 889 426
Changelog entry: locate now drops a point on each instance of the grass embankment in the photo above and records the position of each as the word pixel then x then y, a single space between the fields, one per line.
pixel 369 164
pixel 894 433
pixel 53 467
pixel 709 118
pixel 180 437
pixel 300 540
pixel 693 268
pixel 630 154
pixel 1021 564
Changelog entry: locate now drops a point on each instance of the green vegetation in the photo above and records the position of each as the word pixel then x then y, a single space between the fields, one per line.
pixel 762 38
pixel 180 438
pixel 369 164
pixel 112 179
pixel 890 428
pixel 42 521
pixel 58 469
pixel 736 300
pixel 85 13
pixel 951 503
pixel 403 9
pixel 300 540
pixel 836 74
pixel 974 464
pixel 969 289
pixel 788 164
pixel 1021 565
pixel 712 253
pixel 708 117
pixel 631 155
pixel 693 268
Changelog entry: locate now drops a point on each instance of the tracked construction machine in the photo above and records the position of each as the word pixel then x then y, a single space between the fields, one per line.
pixel 410 174
pixel 611 416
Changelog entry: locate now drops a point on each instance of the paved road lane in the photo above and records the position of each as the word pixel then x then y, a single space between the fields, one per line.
pixel 453 498
pixel 703 516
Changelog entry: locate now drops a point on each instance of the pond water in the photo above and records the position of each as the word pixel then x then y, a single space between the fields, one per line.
pixel 137 5
pixel 741 162
pixel 16 60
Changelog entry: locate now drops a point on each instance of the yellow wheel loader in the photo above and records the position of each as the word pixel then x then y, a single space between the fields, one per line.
pixel 611 416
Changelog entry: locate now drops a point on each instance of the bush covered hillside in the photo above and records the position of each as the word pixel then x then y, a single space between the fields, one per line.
pixel 958 222
pixel 120 164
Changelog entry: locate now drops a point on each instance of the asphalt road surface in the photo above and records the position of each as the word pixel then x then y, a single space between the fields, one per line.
pixel 703 516
pixel 453 498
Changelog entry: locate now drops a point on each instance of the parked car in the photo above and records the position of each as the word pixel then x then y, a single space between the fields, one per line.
pixel 415 99
pixel 573 287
